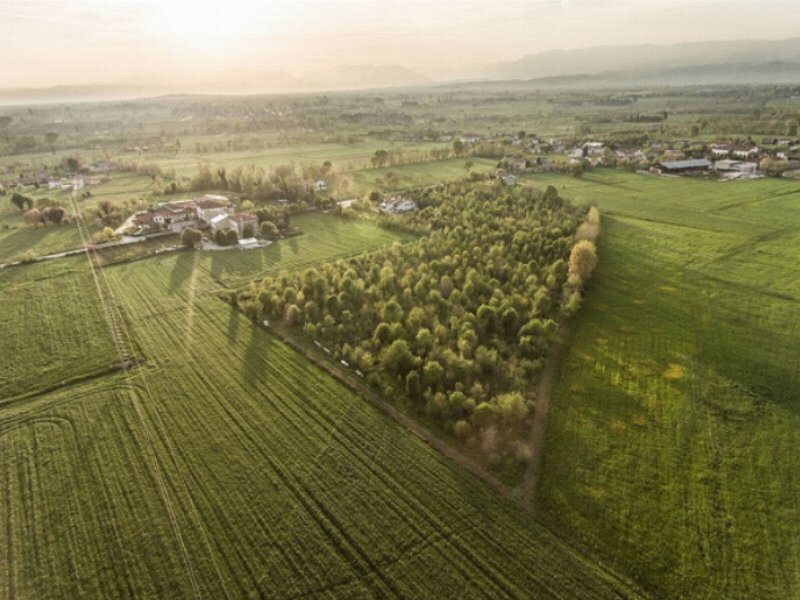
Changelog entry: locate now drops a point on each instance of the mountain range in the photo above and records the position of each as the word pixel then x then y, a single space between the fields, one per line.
pixel 720 62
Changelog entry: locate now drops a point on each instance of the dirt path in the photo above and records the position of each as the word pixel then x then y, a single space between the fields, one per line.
pixel 355 383
pixel 544 392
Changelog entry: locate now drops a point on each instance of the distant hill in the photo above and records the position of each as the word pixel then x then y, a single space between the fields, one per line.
pixel 228 82
pixel 645 59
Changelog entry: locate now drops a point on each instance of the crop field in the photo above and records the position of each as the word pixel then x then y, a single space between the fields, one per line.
pixel 345 156
pixel 420 174
pixel 228 466
pixel 671 447
pixel 53 328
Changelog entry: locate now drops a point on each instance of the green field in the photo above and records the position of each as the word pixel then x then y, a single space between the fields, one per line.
pixel 671 447
pixel 421 174
pixel 323 237
pixel 228 466
pixel 344 156
pixel 53 327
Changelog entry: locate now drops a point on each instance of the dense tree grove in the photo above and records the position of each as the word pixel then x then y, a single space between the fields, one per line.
pixel 458 321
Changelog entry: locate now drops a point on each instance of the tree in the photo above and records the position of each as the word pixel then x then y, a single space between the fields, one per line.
pixel 458 147
pixel 550 195
pixel 54 214
pixel 575 169
pixel 190 237
pixel 33 217
pixel 397 358
pixel 293 315
pixel 583 259
pixel 510 407
pixel 51 139
pixel 468 165
pixel 413 385
pixel 21 201
pixel 107 212
pixel 432 373
pixel 380 158
pixel 392 312
pixel 269 230
pixel 72 164
pixel 220 238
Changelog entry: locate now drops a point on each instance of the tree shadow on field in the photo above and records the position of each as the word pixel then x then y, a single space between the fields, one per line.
pixel 253 366
pixel 233 325
pixel 181 270
pixel 294 245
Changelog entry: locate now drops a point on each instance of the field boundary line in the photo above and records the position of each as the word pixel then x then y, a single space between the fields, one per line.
pixel 544 393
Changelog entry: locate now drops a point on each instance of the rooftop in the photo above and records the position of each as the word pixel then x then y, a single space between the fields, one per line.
pixel 692 163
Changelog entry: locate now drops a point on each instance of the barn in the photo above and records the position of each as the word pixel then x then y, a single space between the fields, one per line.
pixel 683 167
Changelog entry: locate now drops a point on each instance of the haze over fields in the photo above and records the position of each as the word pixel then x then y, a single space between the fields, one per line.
pixel 88 50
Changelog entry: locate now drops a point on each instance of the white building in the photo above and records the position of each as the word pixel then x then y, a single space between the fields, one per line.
pixel 209 206
pixel 397 205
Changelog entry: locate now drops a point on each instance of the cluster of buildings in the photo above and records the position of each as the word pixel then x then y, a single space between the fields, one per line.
pixel 208 212
pixel 68 181
pixel 75 182
pixel 729 160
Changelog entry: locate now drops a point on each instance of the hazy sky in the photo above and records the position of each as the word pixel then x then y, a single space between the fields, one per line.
pixel 53 42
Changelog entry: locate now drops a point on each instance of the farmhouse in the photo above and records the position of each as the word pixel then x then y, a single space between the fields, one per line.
pixel 397 205
pixel 682 167
pixel 321 186
pixel 209 206
pixel 175 216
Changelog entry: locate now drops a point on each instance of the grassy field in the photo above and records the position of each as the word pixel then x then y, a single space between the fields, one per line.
pixel 363 181
pixel 671 447
pixel 53 328
pixel 344 156
pixel 228 466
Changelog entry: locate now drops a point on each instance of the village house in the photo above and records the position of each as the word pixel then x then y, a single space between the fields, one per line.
pixel 721 150
pixel 746 153
pixel 397 205
pixel 509 179
pixel 321 186
pixel 593 148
